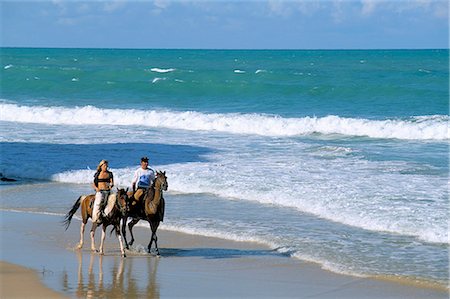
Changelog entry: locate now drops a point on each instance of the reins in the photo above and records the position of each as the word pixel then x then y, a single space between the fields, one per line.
pixel 119 205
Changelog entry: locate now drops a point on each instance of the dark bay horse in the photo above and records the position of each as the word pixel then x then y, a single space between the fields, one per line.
pixel 150 209
pixel 114 211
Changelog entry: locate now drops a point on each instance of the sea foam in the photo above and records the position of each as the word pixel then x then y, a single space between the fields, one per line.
pixel 434 127
pixel 158 70
pixel 373 213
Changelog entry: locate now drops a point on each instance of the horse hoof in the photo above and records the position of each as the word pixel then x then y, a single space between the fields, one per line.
pixel 79 246
pixel 124 255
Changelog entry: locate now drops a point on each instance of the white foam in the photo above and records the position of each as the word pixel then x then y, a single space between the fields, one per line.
pixel 237 237
pixel 329 266
pixel 8 66
pixel 158 70
pixel 337 193
pixel 239 71
pixel 122 177
pixel 434 127
pixel 157 79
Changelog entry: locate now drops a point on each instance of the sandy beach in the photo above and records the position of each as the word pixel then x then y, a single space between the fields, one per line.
pixel 189 266
pixel 13 279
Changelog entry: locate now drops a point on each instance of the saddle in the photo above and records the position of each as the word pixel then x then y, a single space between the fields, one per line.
pixel 136 197
pixel 139 203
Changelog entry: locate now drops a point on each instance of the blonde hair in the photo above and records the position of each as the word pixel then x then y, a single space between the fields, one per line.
pixel 99 167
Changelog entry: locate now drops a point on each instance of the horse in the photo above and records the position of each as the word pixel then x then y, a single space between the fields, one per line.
pixel 115 209
pixel 151 208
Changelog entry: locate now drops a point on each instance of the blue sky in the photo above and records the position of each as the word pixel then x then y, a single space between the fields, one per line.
pixel 274 24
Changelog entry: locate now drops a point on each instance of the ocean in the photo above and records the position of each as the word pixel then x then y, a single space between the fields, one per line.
pixel 339 158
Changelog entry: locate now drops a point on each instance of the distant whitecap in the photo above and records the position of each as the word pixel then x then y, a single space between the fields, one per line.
pixel 424 71
pixel 158 70
pixel 157 79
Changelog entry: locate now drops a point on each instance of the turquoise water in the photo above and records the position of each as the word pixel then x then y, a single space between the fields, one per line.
pixel 335 157
pixel 369 84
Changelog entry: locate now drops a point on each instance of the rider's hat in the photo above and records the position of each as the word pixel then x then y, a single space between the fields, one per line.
pixel 144 159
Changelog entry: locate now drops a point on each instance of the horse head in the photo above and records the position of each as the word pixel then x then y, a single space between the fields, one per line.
pixel 161 181
pixel 122 200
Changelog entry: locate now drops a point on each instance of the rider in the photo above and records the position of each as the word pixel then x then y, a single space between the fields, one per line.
pixel 142 179
pixel 103 182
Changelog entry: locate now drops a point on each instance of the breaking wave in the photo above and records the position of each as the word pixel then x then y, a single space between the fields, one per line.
pixel 434 127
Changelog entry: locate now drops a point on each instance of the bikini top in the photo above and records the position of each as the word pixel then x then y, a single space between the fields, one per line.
pixel 103 180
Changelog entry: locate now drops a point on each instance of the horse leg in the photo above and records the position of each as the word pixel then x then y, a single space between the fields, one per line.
pixel 124 231
pixel 94 227
pixel 130 227
pixel 117 229
pixel 80 244
pixel 102 241
pixel 154 227
pixel 154 238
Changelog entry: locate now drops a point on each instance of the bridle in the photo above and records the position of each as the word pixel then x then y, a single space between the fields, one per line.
pixel 122 209
pixel 162 186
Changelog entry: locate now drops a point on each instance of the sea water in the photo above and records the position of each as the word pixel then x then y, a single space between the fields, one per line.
pixel 334 157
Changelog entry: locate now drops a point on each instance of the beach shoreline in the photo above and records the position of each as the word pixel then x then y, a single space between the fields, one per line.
pixel 189 266
pixel 13 278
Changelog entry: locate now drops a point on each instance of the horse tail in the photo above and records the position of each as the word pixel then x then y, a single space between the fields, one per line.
pixel 69 215
pixel 162 207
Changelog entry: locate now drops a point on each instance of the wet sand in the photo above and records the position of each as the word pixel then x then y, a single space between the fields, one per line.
pixel 189 267
pixel 20 282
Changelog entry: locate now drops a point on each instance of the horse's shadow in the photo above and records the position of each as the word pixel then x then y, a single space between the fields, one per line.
pixel 217 253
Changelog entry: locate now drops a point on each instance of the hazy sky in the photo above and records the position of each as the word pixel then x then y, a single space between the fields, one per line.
pixel 301 24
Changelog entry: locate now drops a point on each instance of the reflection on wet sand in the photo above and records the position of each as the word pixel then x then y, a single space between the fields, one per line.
pixel 117 280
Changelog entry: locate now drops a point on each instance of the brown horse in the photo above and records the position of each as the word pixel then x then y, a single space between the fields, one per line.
pixel 115 209
pixel 150 209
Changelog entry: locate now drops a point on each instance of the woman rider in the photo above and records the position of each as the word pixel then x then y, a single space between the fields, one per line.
pixel 103 182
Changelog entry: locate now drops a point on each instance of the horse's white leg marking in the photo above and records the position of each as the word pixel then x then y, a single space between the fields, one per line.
pixel 80 245
pixel 103 239
pixel 92 237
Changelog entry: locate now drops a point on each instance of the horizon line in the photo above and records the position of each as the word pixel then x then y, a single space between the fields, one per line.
pixel 223 49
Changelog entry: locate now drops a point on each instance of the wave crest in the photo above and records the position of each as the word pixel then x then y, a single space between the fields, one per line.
pixel 435 127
